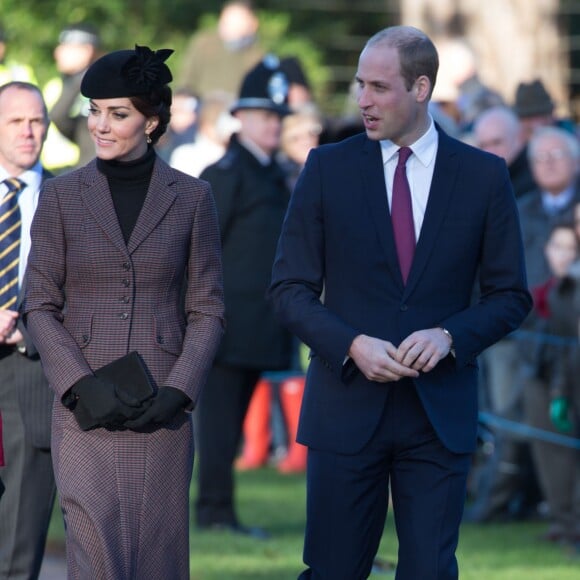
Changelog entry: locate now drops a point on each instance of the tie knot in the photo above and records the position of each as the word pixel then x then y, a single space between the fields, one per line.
pixel 13 184
pixel 404 154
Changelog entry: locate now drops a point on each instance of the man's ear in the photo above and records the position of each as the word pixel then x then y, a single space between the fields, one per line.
pixel 422 88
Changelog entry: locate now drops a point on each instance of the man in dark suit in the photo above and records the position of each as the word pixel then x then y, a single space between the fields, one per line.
pixel 251 198
pixel 391 389
pixel 25 399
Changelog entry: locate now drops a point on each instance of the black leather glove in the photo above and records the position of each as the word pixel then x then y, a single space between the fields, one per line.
pixel 166 404
pixel 99 406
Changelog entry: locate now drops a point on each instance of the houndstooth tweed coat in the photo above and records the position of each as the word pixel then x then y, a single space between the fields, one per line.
pixel 91 298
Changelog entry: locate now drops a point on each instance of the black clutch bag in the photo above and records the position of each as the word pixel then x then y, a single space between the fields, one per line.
pixel 130 376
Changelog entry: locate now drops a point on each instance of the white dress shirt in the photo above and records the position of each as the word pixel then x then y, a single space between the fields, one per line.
pixel 419 167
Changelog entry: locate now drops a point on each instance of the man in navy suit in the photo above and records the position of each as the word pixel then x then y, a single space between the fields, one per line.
pixel 390 397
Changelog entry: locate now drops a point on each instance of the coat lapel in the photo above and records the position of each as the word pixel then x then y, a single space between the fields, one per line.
pixel 97 199
pixel 159 199
pixel 442 185
pixel 375 190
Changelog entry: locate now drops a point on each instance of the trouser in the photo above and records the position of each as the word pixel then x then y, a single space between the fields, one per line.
pixel 219 418
pixel 558 467
pixel 347 499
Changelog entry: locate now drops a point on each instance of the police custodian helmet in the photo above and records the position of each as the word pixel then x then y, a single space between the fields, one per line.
pixel 264 87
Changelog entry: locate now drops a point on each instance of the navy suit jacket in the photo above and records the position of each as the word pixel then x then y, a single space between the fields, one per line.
pixel 336 275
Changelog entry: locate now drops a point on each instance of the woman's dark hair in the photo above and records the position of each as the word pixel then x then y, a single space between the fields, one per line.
pixel 156 104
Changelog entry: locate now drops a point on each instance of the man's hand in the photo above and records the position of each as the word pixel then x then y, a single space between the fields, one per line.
pixel 14 337
pixel 376 360
pixel 423 349
pixel 8 319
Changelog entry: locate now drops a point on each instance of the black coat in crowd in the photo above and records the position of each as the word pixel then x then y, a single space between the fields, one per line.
pixel 251 202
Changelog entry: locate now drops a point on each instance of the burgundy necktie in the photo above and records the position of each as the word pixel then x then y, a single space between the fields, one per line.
pixel 402 214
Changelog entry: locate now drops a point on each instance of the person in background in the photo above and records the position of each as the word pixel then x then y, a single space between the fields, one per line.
pixel 552 387
pixel 25 399
pixel 125 257
pixel 299 89
pixel 183 124
pixel 214 129
pixel 554 155
pixel 505 486
pixel 11 70
pixel 78 46
pixel 498 130
pixel 300 133
pixel 1 458
pixel 460 93
pixel 535 108
pixel 375 269
pixel 251 196
pixel 219 59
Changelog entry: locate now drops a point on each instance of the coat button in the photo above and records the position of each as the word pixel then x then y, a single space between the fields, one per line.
pixel 85 338
pixel 160 339
pixel 124 299
pixel 123 316
pixel 126 283
pixel 126 266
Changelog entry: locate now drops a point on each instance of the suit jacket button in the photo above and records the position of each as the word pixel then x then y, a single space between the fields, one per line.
pixel 123 316
pixel 126 283
pixel 126 266
pixel 124 299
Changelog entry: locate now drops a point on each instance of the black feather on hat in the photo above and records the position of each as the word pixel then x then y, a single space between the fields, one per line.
pixel 127 73
pixel 264 87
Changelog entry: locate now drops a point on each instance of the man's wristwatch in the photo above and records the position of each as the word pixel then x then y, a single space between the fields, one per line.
pixel 450 337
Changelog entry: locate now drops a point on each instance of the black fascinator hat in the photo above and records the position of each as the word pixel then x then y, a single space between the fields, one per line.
pixel 127 73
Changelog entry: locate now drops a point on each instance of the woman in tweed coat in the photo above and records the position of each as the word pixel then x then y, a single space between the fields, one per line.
pixel 125 256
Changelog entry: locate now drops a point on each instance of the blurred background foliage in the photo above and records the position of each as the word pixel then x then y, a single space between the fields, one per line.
pixel 326 36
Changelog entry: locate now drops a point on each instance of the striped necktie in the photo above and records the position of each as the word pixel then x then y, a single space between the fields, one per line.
pixel 10 222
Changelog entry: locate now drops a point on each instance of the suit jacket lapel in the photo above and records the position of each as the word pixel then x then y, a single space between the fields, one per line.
pixel 442 185
pixel 375 194
pixel 97 199
pixel 159 199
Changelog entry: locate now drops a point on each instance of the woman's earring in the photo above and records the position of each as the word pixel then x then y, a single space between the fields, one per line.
pixel 149 139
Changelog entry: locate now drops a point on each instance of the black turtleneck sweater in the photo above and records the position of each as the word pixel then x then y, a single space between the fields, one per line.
pixel 129 183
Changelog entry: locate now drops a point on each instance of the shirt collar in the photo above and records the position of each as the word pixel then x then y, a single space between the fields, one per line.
pixel 424 148
pixel 555 203
pixel 31 177
pixel 257 152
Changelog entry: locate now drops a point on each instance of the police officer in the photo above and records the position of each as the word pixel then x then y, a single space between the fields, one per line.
pixel 251 198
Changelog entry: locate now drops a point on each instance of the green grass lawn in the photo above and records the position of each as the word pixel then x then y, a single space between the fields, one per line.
pixel 276 502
